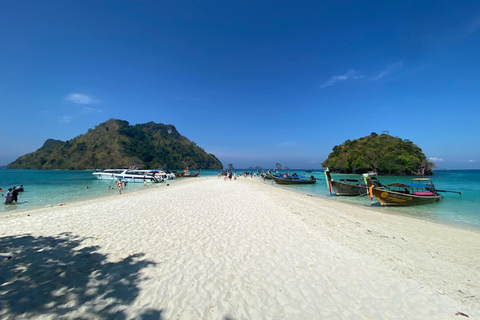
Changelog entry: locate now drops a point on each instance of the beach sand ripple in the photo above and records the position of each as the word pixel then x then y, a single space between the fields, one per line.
pixel 214 249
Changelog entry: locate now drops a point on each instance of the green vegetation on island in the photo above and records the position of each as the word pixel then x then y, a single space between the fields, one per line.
pixel 383 154
pixel 116 144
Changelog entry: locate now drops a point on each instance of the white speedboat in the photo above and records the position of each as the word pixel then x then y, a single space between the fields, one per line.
pixel 108 174
pixel 165 174
pixel 137 176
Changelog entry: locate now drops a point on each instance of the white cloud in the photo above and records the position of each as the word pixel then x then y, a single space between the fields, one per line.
pixel 90 110
pixel 288 144
pixel 389 69
pixel 471 161
pixel 80 98
pixel 435 159
pixel 351 74
pixel 65 119
pixel 315 161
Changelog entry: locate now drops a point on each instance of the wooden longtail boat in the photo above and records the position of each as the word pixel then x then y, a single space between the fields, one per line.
pixel 179 174
pixel 350 187
pixel 294 180
pixel 410 194
pixel 265 175
pixel 268 175
pixel 186 175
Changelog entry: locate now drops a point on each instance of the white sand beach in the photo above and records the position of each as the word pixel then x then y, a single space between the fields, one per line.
pixel 211 249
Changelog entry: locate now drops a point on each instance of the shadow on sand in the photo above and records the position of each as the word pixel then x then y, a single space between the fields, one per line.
pixel 54 276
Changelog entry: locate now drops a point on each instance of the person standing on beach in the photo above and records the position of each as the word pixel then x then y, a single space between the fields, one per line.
pixel 119 185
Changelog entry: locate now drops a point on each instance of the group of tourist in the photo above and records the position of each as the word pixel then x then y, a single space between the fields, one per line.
pixel 251 174
pixel 227 175
pixel 12 194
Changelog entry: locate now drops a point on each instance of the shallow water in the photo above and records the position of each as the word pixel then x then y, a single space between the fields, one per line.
pixel 461 210
pixel 45 188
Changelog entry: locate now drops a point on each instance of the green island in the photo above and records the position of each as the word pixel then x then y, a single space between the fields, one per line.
pixel 117 144
pixel 382 153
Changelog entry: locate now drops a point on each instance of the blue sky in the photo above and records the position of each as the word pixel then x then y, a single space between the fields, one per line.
pixel 253 82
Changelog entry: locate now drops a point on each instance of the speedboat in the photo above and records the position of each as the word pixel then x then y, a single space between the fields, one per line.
pixel 137 176
pixel 164 174
pixel 108 174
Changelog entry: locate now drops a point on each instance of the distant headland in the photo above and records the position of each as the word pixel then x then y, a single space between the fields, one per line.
pixel 117 144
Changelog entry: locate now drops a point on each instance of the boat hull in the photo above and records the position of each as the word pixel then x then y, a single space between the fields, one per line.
pixel 192 175
pixel 345 189
pixel 293 181
pixel 104 176
pixel 135 179
pixel 392 198
pixel 108 174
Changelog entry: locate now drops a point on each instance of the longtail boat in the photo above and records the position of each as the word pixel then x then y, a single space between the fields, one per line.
pixel 265 175
pixel 187 175
pixel 419 191
pixel 179 174
pixel 268 175
pixel 349 187
pixel 287 179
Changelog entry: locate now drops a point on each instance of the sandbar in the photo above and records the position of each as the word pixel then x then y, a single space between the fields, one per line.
pixel 205 248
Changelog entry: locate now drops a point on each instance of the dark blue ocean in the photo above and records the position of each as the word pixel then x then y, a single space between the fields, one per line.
pixel 45 188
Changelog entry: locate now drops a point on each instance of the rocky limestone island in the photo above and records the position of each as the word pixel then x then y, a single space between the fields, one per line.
pixel 117 144
pixel 383 154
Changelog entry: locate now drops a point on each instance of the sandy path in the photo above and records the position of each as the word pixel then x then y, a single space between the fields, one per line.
pixel 213 249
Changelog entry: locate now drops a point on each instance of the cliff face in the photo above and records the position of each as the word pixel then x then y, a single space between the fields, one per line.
pixel 116 144
pixel 381 153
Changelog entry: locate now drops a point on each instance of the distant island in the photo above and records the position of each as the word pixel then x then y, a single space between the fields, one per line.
pixel 117 144
pixel 383 154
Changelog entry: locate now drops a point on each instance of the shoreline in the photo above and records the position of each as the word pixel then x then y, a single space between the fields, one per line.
pixel 211 248
pixel 393 210
pixel 97 197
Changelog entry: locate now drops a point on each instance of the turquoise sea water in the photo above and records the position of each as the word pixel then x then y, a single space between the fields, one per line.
pixel 461 210
pixel 45 188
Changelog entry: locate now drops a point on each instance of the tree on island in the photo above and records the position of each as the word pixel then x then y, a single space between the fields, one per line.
pixel 381 153
pixel 117 144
